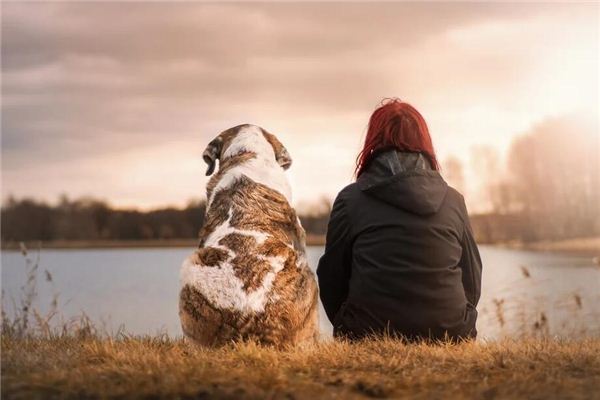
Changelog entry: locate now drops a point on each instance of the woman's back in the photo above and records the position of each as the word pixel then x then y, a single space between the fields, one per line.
pixel 404 253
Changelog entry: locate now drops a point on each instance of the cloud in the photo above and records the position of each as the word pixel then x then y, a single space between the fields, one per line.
pixel 83 86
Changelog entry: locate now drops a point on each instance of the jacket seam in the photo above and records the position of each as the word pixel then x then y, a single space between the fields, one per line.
pixel 346 214
pixel 471 274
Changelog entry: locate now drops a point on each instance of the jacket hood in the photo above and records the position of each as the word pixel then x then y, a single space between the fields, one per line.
pixel 404 180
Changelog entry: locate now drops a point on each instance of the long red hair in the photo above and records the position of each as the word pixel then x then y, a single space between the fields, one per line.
pixel 396 125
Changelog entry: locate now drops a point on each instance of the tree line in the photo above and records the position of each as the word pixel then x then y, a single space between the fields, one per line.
pixel 548 187
pixel 93 219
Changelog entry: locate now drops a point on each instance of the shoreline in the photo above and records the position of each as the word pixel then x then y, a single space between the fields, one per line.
pixel 311 240
pixel 583 246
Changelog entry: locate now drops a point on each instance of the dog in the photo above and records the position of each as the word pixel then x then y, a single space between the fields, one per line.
pixel 249 278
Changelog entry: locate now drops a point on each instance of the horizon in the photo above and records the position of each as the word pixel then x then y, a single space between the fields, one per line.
pixel 121 111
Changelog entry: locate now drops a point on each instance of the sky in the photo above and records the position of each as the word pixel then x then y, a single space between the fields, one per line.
pixel 118 100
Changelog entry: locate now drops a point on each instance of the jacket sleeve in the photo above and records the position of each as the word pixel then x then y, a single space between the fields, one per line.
pixel 470 263
pixel 335 265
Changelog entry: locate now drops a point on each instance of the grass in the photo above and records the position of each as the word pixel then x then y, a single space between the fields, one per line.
pixel 160 367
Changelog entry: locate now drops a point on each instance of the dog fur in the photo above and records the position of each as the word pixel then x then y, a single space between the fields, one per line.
pixel 249 278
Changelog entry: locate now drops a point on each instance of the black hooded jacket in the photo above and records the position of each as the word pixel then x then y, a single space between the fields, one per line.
pixel 400 255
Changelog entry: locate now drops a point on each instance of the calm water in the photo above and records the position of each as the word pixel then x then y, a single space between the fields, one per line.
pixel 522 291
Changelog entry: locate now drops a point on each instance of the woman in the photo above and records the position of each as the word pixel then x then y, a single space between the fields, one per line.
pixel 400 257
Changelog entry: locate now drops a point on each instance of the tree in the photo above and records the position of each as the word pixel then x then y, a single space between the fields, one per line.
pixel 554 176
pixel 452 168
pixel 495 191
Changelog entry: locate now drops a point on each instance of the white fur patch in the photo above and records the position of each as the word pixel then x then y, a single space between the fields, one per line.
pixel 220 286
pixel 262 169
pixel 225 229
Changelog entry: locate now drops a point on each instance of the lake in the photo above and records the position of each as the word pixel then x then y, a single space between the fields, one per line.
pixel 523 292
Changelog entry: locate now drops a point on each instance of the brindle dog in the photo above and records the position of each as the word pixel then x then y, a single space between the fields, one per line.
pixel 249 278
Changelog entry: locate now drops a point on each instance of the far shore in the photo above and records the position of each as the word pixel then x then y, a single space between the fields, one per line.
pixel 587 246
pixel 311 240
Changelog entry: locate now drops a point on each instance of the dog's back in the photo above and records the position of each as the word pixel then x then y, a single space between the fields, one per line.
pixel 249 279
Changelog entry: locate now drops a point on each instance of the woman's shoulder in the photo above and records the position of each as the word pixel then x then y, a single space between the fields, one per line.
pixel 349 192
pixel 455 200
pixel 454 195
pixel 346 198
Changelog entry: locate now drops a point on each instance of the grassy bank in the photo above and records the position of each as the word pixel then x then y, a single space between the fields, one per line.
pixel 70 367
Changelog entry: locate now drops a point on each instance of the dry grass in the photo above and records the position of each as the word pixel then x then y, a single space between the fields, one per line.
pixel 70 367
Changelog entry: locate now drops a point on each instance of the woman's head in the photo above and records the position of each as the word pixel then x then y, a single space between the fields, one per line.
pixel 396 125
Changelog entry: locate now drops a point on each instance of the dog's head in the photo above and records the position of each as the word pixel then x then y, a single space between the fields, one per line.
pixel 245 139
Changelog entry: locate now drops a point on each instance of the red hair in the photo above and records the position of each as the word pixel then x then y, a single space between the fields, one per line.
pixel 396 125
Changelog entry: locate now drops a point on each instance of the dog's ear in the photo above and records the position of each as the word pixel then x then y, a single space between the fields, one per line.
pixel 281 154
pixel 212 153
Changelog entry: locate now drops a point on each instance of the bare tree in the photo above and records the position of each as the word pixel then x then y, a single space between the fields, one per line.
pixel 554 177
pixel 495 189
pixel 453 171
